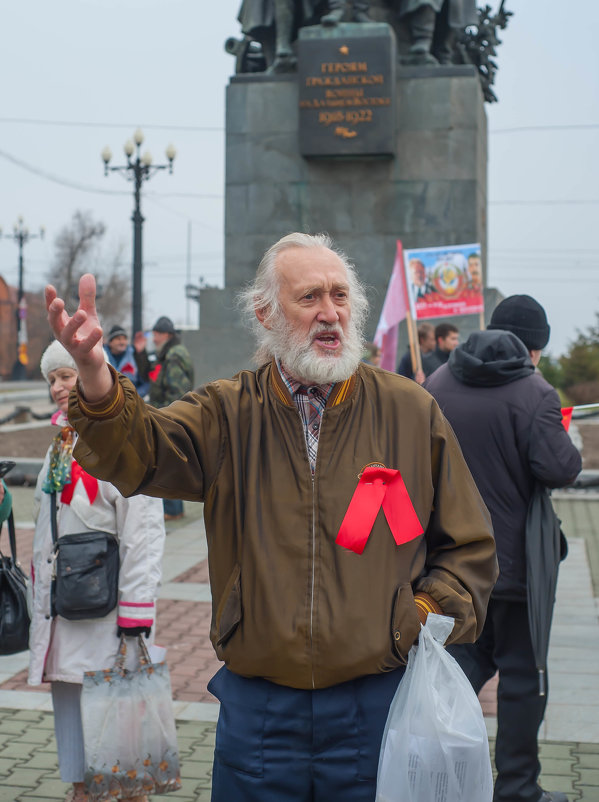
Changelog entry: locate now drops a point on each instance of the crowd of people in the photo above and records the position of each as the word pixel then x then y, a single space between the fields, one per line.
pixel 317 595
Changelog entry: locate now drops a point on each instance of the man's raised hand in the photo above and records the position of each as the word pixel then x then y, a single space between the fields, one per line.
pixel 81 335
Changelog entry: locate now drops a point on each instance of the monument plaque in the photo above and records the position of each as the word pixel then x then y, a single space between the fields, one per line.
pixel 347 90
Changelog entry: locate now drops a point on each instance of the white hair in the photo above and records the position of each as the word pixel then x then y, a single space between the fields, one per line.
pixel 263 292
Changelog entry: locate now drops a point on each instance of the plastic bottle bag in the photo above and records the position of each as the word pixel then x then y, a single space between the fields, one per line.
pixel 435 746
pixel 129 729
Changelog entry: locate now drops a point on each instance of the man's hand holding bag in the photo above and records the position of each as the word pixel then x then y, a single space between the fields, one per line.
pixel 434 746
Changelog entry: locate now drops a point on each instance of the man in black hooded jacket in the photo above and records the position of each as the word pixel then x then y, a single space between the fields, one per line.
pixel 507 419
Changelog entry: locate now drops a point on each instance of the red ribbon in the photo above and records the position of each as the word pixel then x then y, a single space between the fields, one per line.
pixel 567 417
pixel 153 374
pixel 378 486
pixel 127 368
pixel 90 483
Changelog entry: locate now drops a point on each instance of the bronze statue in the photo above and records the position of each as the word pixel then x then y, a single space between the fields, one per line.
pixel 434 27
pixel 478 46
pixel 337 10
pixel 274 24
pixel 429 32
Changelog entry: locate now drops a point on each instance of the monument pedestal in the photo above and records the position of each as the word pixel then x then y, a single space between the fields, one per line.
pixel 432 192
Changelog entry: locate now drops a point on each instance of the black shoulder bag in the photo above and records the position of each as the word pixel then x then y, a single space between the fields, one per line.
pixel 14 616
pixel 85 577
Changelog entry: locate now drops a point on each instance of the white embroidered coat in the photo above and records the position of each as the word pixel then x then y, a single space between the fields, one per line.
pixel 62 650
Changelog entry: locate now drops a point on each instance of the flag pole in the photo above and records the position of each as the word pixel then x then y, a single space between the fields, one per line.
pixel 395 309
pixel 414 343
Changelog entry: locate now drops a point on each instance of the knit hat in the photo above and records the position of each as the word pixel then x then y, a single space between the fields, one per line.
pixel 164 325
pixel 525 317
pixel 116 331
pixel 56 356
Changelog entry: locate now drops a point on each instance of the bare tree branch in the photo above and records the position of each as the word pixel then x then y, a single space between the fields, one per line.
pixel 78 251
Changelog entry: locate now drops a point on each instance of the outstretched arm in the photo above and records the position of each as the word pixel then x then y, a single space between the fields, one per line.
pixel 81 335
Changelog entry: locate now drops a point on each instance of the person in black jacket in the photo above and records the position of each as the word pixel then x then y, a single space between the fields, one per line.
pixel 508 421
pixel 426 342
pixel 447 338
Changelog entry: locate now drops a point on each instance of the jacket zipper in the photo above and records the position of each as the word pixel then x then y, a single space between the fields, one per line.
pixel 313 475
pixel 313 577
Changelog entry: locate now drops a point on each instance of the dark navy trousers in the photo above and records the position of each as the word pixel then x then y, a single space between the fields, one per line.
pixel 505 645
pixel 279 744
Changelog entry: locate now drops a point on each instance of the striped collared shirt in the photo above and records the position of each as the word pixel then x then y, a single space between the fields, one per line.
pixel 310 402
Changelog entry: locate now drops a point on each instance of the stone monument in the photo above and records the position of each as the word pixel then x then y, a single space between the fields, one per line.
pixel 355 142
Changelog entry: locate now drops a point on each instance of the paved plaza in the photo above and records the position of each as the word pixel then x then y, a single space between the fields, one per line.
pixel 570 733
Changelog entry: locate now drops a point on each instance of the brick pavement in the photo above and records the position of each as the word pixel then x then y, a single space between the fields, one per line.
pixel 197 573
pixel 183 629
pixel 29 769
pixel 28 766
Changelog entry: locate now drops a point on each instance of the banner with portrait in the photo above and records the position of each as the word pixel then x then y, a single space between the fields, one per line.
pixel 445 281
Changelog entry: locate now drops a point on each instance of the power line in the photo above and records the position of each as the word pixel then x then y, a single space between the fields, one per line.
pixel 572 202
pixel 87 124
pixel 544 250
pixel 520 128
pixel 55 178
pixel 153 199
pixel 498 276
pixel 65 182
pixel 211 128
pixel 206 196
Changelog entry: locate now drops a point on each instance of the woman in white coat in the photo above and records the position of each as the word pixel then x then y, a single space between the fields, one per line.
pixel 62 650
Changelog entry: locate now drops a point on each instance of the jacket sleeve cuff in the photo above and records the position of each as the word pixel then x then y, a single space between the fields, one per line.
pixel 109 406
pixel 135 614
pixel 425 604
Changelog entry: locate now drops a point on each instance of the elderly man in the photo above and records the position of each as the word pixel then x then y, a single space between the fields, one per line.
pixel 318 595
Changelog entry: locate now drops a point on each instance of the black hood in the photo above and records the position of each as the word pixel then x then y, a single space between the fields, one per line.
pixel 490 358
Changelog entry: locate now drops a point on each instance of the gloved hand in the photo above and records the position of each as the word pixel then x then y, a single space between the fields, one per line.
pixel 133 632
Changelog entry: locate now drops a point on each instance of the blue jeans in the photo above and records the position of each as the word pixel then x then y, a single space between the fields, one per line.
pixel 280 744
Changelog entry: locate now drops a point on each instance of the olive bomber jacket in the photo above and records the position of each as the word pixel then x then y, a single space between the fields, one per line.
pixel 289 604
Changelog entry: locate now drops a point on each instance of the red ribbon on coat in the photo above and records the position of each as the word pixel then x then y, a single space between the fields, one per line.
pixel 153 374
pixel 90 483
pixel 127 369
pixel 379 487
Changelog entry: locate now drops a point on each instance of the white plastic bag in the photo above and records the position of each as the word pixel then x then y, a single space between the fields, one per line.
pixel 434 746
pixel 129 730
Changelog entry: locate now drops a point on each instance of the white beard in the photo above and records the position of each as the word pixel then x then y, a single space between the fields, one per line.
pixel 303 359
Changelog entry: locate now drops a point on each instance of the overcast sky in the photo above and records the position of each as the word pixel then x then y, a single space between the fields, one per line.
pixel 81 74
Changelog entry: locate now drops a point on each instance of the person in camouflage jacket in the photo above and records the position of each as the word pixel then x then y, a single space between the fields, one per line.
pixel 171 376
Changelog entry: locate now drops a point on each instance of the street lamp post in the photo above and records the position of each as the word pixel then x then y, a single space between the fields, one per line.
pixel 21 235
pixel 138 169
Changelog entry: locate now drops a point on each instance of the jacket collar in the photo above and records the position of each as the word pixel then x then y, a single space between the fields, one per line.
pixel 338 394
